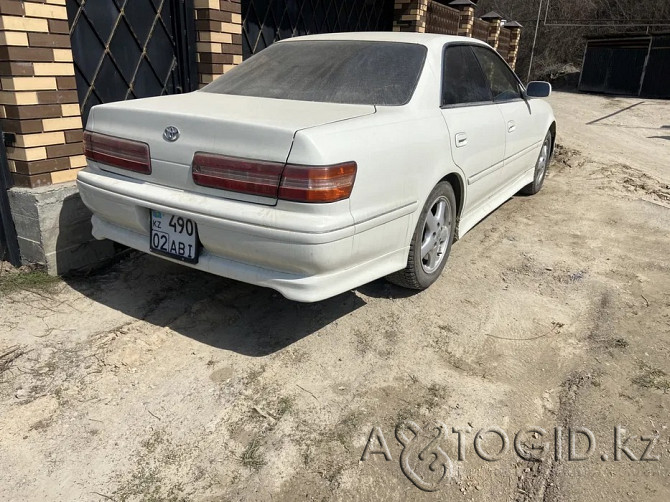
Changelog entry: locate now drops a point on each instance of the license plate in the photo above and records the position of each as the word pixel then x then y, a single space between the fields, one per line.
pixel 174 236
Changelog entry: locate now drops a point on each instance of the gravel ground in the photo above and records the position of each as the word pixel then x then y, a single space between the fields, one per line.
pixel 149 381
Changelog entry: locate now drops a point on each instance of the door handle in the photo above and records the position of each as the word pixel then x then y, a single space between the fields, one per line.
pixel 461 139
pixel 511 126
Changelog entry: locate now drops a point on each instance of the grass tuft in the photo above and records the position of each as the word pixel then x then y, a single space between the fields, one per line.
pixel 32 280
pixel 284 406
pixel 252 456
pixel 652 378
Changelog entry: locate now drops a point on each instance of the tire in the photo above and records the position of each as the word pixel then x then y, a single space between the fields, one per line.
pixel 435 232
pixel 540 167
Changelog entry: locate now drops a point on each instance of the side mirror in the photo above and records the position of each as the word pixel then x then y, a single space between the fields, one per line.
pixel 538 90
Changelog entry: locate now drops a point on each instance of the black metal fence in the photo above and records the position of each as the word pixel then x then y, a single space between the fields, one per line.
pixel 267 21
pixel 125 49
pixel 9 246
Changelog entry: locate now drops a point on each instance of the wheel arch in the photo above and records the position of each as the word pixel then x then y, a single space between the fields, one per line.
pixel 456 182
pixel 458 185
pixel 552 130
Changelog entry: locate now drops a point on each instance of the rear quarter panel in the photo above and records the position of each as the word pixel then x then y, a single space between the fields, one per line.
pixel 401 153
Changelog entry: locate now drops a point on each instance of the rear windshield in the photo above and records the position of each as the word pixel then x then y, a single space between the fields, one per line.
pixel 351 72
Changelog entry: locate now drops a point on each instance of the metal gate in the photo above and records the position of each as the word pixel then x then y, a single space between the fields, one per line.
pixel 266 21
pixel 615 66
pixel 657 75
pixel 125 49
pixel 9 245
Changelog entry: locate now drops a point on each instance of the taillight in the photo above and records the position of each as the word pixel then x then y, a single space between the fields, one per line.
pixel 318 184
pixel 117 152
pixel 273 179
pixel 238 175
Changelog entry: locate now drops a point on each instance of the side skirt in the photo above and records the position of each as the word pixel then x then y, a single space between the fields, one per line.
pixel 471 219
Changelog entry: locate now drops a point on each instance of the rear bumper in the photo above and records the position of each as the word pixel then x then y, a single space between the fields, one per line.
pixel 305 256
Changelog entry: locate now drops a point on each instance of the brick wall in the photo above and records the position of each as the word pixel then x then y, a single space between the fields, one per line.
pixel 467 21
pixel 442 19
pixel 219 37
pixel 515 37
pixel 493 37
pixel 38 97
pixel 459 19
pixel 410 15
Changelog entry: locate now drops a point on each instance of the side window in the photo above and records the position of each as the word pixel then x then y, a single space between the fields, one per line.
pixel 504 85
pixel 462 79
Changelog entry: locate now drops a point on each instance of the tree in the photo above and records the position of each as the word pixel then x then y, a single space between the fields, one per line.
pixel 560 42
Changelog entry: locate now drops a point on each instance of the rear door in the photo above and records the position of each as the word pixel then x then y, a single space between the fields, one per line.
pixel 476 125
pixel 522 138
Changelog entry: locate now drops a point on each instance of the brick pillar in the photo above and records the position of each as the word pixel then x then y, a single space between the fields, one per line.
pixel 515 28
pixel 467 22
pixel 495 24
pixel 410 15
pixel 219 37
pixel 38 96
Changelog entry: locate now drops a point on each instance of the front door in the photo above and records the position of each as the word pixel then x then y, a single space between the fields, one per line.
pixel 476 125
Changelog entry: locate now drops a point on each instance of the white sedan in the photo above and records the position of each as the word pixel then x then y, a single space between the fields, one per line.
pixel 321 163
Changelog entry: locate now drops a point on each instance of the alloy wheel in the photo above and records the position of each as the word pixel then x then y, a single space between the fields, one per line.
pixel 436 233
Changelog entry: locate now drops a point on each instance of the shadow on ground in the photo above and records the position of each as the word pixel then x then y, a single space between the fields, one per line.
pixel 212 310
pixel 381 288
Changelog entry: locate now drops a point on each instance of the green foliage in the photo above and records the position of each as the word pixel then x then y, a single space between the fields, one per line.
pixel 36 280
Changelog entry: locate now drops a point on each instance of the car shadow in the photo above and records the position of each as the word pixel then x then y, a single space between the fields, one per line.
pixel 212 310
pixel 381 288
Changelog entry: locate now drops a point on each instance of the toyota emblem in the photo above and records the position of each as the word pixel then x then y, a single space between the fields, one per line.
pixel 171 134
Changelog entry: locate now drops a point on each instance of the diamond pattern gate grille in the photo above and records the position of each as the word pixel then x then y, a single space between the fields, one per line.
pixel 126 49
pixel 267 21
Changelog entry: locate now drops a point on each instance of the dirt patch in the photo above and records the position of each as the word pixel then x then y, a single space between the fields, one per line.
pixel 150 381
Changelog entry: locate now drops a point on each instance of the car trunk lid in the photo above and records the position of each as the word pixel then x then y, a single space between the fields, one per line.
pixel 235 126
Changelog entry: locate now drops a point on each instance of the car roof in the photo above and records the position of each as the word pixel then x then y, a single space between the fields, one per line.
pixel 427 39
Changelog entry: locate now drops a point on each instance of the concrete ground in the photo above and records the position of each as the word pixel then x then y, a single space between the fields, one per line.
pixel 149 381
